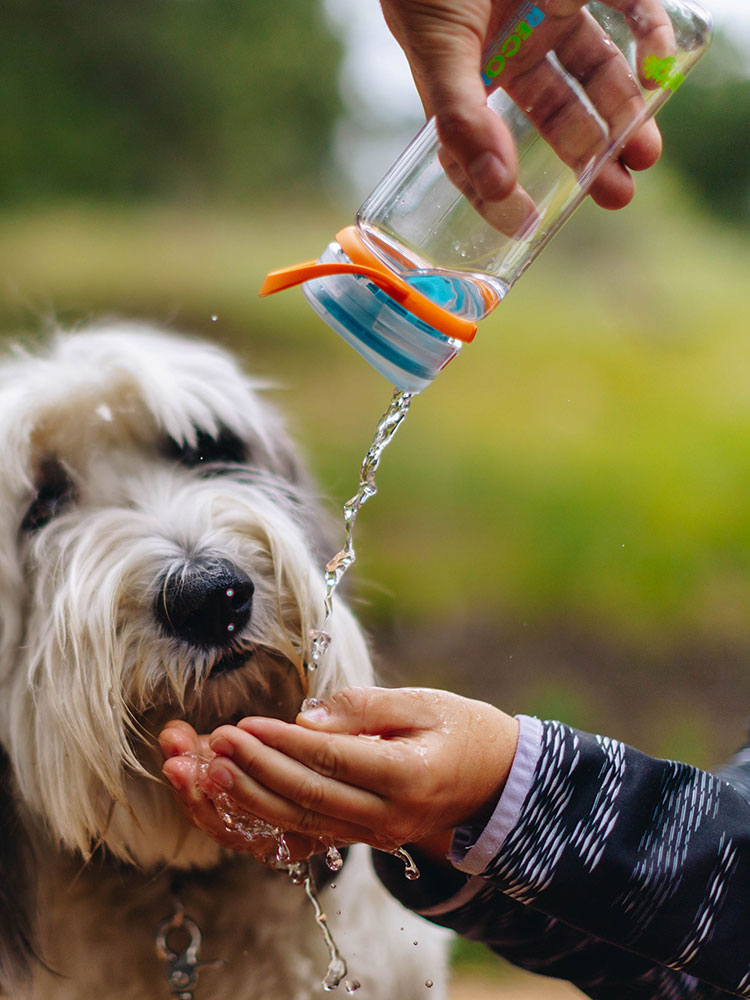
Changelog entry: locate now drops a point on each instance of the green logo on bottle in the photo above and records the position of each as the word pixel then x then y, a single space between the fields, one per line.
pixel 510 45
pixel 662 71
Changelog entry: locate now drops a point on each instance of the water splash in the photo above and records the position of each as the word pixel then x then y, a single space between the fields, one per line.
pixel 237 820
pixel 387 426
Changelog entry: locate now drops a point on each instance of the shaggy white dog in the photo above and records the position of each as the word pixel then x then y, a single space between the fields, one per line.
pixel 160 557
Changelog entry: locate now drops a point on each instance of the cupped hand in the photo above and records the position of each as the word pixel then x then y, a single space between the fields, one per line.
pixel 379 766
pixel 185 755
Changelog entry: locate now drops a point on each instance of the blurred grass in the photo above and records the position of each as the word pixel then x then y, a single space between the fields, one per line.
pixel 586 461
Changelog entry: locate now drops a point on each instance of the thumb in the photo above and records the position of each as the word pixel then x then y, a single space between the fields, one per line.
pixel 370 711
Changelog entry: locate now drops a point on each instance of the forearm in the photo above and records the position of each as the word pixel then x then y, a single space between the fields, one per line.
pixel 533 940
pixel 586 846
pixel 652 856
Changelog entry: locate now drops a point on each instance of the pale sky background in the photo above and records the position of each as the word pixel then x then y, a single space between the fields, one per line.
pixel 384 110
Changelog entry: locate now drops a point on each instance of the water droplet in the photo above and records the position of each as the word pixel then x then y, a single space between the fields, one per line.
pixel 415 943
pixel 410 870
pixel 352 985
pixel 429 983
pixel 309 703
pixel 214 317
pixel 297 872
pixel 282 851
pixel 334 974
pixel 333 859
pixel 240 822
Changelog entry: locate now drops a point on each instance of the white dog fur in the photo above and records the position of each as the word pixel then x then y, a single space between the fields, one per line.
pixel 129 458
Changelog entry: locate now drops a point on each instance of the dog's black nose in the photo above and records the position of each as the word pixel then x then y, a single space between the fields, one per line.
pixel 207 603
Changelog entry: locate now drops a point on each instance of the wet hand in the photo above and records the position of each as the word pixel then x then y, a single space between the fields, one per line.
pixel 384 767
pixel 185 755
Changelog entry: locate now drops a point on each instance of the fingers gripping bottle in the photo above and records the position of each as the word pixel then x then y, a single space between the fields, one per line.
pixel 426 260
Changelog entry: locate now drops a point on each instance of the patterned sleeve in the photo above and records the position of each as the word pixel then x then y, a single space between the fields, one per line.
pixel 650 855
pixel 626 875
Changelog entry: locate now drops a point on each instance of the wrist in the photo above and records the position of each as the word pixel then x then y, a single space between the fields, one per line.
pixel 437 846
pixel 500 744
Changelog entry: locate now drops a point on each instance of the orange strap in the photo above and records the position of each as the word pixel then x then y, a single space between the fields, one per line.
pixel 366 264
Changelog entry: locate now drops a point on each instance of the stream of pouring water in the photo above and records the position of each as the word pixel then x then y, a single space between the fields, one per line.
pixel 321 638
pixel 387 426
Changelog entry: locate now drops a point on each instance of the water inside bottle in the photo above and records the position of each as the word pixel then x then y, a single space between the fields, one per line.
pixel 465 295
pixel 465 292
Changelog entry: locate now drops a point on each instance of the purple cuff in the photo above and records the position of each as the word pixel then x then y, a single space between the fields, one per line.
pixel 474 848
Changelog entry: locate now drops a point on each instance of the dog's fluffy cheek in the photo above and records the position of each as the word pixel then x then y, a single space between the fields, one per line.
pixel 66 751
pixel 152 831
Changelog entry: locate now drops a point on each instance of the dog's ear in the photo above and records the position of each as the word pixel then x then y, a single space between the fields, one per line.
pixel 16 891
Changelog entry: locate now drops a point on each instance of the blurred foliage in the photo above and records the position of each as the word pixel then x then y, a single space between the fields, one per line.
pixel 204 99
pixel 706 129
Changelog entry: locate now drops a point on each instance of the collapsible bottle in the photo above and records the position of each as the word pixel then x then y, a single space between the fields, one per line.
pixel 406 285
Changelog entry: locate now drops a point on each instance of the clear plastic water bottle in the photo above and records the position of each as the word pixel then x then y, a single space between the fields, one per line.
pixel 407 284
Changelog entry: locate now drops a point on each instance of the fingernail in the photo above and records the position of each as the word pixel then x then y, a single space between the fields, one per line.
pixel 221 776
pixel 221 746
pixel 315 713
pixel 489 176
pixel 168 748
pixel 174 778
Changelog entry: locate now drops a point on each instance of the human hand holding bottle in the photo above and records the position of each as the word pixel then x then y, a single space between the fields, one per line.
pixel 445 40
pixel 372 765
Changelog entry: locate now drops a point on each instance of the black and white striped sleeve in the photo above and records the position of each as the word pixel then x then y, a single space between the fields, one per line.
pixel 601 842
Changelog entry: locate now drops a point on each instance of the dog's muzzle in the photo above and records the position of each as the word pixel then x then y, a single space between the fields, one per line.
pixel 206 603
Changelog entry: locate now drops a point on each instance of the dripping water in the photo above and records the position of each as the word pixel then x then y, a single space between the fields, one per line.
pixel 333 859
pixel 236 820
pixel 336 971
pixel 410 869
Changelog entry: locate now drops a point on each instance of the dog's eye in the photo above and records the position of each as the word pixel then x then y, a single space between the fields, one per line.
pixel 55 492
pixel 223 449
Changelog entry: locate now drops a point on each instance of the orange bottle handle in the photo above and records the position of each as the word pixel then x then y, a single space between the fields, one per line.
pixel 366 264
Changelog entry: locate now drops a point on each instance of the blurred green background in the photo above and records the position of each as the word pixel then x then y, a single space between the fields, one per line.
pixel 563 522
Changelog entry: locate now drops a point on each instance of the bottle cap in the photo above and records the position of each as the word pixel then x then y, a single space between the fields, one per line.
pixel 408 337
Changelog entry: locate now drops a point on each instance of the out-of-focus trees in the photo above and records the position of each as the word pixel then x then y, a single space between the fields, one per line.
pixel 706 130
pixel 163 98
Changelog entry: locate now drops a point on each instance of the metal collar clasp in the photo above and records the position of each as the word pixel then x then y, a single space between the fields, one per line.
pixel 182 966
